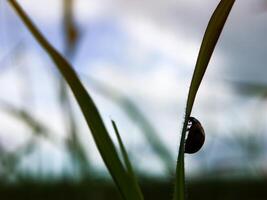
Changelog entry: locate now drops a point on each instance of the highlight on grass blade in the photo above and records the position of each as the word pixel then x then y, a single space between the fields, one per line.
pixel 208 44
pixel 128 189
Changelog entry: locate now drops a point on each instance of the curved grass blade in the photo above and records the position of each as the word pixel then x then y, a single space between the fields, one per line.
pixel 136 115
pixel 208 44
pixel 126 186
pixel 125 155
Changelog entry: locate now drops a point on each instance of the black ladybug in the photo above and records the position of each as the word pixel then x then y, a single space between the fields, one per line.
pixel 195 137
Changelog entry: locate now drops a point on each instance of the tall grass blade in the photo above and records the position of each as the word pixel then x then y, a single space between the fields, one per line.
pixel 126 186
pixel 209 41
pixel 125 155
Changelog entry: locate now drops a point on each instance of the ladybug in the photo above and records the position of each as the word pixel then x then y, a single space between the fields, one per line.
pixel 195 137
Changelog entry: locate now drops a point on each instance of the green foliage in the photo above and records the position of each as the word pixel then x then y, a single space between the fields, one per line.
pixel 123 174
pixel 209 41
pixel 127 187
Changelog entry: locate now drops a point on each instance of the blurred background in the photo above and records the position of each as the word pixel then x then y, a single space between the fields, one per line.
pixel 136 58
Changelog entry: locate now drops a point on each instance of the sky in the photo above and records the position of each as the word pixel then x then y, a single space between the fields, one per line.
pixel 146 50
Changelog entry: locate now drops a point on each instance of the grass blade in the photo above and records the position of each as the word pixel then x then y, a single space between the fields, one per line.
pixel 125 156
pixel 209 41
pixel 126 186
pixel 136 115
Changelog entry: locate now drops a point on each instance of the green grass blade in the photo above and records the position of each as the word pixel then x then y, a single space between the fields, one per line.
pixel 122 148
pixel 209 41
pixel 125 156
pixel 136 115
pixel 102 139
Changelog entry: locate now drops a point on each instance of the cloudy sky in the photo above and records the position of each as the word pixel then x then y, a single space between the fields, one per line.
pixel 146 50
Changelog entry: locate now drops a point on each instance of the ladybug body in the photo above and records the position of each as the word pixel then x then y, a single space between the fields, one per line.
pixel 195 137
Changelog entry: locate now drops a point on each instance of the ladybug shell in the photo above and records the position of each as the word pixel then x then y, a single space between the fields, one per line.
pixel 195 138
